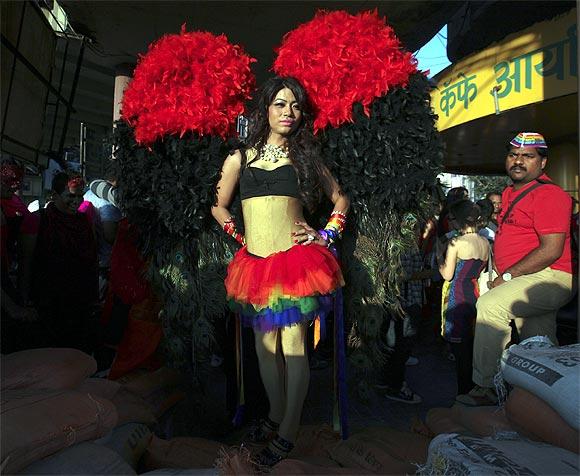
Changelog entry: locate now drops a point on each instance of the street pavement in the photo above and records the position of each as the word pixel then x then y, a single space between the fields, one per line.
pixel 203 412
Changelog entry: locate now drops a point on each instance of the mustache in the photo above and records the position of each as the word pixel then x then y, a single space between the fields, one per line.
pixel 518 167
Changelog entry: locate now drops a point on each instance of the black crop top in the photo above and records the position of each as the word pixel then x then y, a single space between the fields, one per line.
pixel 282 181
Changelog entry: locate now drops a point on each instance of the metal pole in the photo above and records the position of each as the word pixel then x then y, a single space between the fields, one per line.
pixel 65 55
pixel 83 149
pixel 72 97
pixel 494 91
pixel 13 68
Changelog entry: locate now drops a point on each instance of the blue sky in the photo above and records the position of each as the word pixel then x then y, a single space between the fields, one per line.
pixel 433 56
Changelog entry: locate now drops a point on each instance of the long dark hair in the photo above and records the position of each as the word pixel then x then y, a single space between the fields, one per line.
pixel 453 195
pixel 462 214
pixel 302 146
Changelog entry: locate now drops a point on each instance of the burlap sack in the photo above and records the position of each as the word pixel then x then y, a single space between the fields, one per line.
pixel 382 450
pixel 540 420
pixel 145 384
pixel 480 421
pixel 465 455
pixel 314 440
pixel 100 387
pixel 183 472
pixel 180 453
pixel 549 372
pixel 441 420
pixel 132 408
pixel 164 400
pixel 38 424
pixel 159 388
pixel 85 458
pixel 295 466
pixel 52 369
pixel 130 441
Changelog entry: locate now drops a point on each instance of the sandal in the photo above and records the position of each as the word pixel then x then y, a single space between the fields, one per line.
pixel 277 450
pixel 478 397
pixel 264 431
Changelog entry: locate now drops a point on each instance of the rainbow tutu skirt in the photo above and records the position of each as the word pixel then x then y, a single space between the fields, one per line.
pixel 284 288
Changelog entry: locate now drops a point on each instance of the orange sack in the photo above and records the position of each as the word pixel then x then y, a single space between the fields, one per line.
pixel 535 416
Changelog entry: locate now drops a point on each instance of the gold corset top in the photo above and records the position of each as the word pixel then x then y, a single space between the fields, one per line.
pixel 269 220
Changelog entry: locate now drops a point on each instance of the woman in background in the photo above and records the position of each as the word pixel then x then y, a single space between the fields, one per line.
pixel 465 257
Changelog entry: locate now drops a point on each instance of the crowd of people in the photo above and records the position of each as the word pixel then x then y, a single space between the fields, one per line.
pixel 508 264
pixel 52 261
pixel 488 272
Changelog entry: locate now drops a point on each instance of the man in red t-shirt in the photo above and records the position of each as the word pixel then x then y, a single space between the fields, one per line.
pixel 532 259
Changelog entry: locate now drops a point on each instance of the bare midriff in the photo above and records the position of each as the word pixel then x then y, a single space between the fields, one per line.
pixel 269 222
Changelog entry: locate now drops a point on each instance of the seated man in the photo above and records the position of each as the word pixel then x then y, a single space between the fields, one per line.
pixel 533 261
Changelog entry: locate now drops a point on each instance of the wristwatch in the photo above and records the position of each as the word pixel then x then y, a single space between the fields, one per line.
pixel 506 276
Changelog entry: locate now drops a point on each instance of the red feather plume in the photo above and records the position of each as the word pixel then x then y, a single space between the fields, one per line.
pixel 192 81
pixel 342 59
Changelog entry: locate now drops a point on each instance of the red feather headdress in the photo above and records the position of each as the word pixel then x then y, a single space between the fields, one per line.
pixel 341 59
pixel 191 81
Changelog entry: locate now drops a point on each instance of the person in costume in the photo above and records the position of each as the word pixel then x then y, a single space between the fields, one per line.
pixel 284 275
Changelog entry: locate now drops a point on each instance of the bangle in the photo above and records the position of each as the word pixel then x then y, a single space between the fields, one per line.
pixel 335 226
pixel 324 235
pixel 230 228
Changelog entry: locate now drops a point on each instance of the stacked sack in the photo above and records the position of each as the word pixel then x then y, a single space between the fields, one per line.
pixel 546 379
pixel 462 454
pixel 160 388
pixel 319 451
pixel 43 409
pixel 57 420
pixel 535 432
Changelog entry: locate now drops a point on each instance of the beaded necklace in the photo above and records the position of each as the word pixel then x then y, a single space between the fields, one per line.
pixel 273 153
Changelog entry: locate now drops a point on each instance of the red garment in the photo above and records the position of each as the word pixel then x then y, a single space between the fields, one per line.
pixel 281 279
pixel 427 243
pixel 89 210
pixel 17 220
pixel 15 207
pixel 140 341
pixel 127 281
pixel 545 210
pixel 66 257
pixel 128 267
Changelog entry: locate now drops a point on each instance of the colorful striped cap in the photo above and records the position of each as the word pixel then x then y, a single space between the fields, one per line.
pixel 529 139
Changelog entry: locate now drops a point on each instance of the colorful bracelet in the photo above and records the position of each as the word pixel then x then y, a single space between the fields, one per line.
pixel 230 229
pixel 334 228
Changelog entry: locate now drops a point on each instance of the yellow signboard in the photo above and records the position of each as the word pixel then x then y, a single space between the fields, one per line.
pixel 537 63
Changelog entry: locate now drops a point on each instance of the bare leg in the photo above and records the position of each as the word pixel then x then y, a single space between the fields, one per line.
pixel 272 372
pixel 293 339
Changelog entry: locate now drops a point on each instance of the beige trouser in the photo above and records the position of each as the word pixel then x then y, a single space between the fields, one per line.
pixel 532 301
